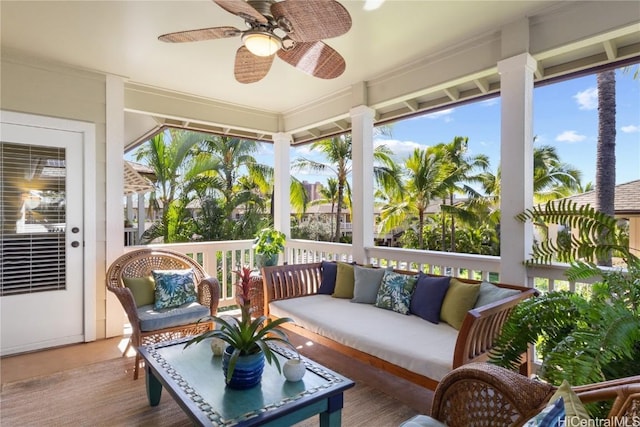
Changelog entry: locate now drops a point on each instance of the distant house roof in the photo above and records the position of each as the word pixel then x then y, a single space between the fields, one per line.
pixel 627 198
pixel 136 178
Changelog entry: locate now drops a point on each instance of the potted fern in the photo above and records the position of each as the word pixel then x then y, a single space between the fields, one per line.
pixel 581 338
pixel 246 338
pixel 269 243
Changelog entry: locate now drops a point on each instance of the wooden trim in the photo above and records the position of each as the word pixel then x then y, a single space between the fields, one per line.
pixel 475 339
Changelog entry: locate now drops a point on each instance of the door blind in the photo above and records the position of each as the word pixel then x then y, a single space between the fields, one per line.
pixel 32 219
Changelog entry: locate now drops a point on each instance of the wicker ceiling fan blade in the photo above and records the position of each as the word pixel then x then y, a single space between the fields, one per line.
pixel 199 35
pixel 312 20
pixel 250 68
pixel 242 9
pixel 316 58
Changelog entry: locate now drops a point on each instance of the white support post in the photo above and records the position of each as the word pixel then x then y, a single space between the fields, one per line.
pixel 362 183
pixel 282 183
pixel 130 208
pixel 142 217
pixel 114 238
pixel 516 162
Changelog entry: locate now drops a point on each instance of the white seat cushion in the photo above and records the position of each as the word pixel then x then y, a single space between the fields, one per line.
pixel 404 340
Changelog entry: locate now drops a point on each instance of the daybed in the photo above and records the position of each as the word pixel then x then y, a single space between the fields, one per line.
pixel 406 345
pixel 482 394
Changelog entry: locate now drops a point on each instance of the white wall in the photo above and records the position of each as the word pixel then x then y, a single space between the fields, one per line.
pixel 36 87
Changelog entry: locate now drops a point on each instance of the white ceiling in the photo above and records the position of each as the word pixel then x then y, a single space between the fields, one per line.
pixel 120 38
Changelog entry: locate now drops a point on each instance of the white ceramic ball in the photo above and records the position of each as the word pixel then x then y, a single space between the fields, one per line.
pixel 294 370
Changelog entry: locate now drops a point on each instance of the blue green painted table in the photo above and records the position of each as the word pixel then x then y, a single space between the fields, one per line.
pixel 194 378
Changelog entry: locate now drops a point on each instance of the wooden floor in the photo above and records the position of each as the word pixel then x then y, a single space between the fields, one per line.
pixel 19 367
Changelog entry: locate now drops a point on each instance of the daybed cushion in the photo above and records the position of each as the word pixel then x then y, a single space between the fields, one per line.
pixel 344 281
pixel 174 288
pixel 367 281
pixel 406 341
pixel 460 298
pixel 142 288
pixel 328 281
pixel 152 319
pixel 428 296
pixel 490 293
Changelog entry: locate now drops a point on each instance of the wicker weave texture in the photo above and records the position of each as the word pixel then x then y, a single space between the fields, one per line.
pixel 141 263
pixel 482 394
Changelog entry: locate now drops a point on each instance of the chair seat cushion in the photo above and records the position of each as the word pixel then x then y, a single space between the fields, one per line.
pixel 152 319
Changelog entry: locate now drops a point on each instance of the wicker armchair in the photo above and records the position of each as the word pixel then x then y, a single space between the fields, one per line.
pixel 482 394
pixel 140 263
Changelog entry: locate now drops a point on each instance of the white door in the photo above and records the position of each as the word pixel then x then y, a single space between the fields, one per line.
pixel 41 238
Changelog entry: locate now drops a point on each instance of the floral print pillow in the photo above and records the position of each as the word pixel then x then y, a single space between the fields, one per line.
pixel 395 292
pixel 174 288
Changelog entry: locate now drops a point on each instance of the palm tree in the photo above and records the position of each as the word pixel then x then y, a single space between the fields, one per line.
pixel 606 151
pixel 337 151
pixel 424 173
pixel 170 155
pixel 553 179
pixel 461 170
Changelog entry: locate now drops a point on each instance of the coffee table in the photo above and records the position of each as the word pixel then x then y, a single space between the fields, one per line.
pixel 194 378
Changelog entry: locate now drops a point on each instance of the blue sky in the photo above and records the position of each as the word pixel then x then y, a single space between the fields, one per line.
pixel 565 116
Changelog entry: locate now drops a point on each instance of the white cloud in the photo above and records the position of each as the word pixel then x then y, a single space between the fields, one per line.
pixel 570 136
pixel 442 114
pixel 630 129
pixel 587 99
pixel 400 149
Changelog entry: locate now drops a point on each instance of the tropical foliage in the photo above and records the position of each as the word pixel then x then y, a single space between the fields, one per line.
pixel 581 338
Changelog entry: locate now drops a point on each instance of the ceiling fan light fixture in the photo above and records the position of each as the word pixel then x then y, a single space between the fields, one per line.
pixel 261 43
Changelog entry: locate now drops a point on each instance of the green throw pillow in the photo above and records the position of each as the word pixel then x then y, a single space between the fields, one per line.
pixel 460 298
pixel 142 288
pixel 575 412
pixel 395 292
pixel 344 281
pixel 490 293
pixel 174 288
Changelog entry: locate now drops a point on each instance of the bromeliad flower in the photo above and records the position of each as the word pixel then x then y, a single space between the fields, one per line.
pixel 243 287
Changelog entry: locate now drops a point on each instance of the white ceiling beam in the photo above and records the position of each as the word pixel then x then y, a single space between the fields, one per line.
pixel 342 124
pixel 539 72
pixel 482 84
pixel 412 104
pixel 314 132
pixel 452 93
pixel 611 49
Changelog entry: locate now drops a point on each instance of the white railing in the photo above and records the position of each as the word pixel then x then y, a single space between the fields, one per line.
pixel 220 259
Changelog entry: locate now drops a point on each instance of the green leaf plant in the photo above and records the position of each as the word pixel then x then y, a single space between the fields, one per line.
pixel 582 339
pixel 247 335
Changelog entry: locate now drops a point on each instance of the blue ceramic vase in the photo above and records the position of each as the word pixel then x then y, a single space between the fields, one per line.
pixel 248 370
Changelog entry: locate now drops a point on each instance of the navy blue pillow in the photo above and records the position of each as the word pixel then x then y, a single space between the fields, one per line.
pixel 428 296
pixel 328 283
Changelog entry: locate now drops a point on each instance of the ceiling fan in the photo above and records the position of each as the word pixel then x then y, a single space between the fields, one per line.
pixel 292 29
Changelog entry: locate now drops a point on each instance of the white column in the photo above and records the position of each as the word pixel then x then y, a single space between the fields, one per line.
pixel 114 238
pixel 130 208
pixel 362 181
pixel 142 216
pixel 282 183
pixel 516 162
